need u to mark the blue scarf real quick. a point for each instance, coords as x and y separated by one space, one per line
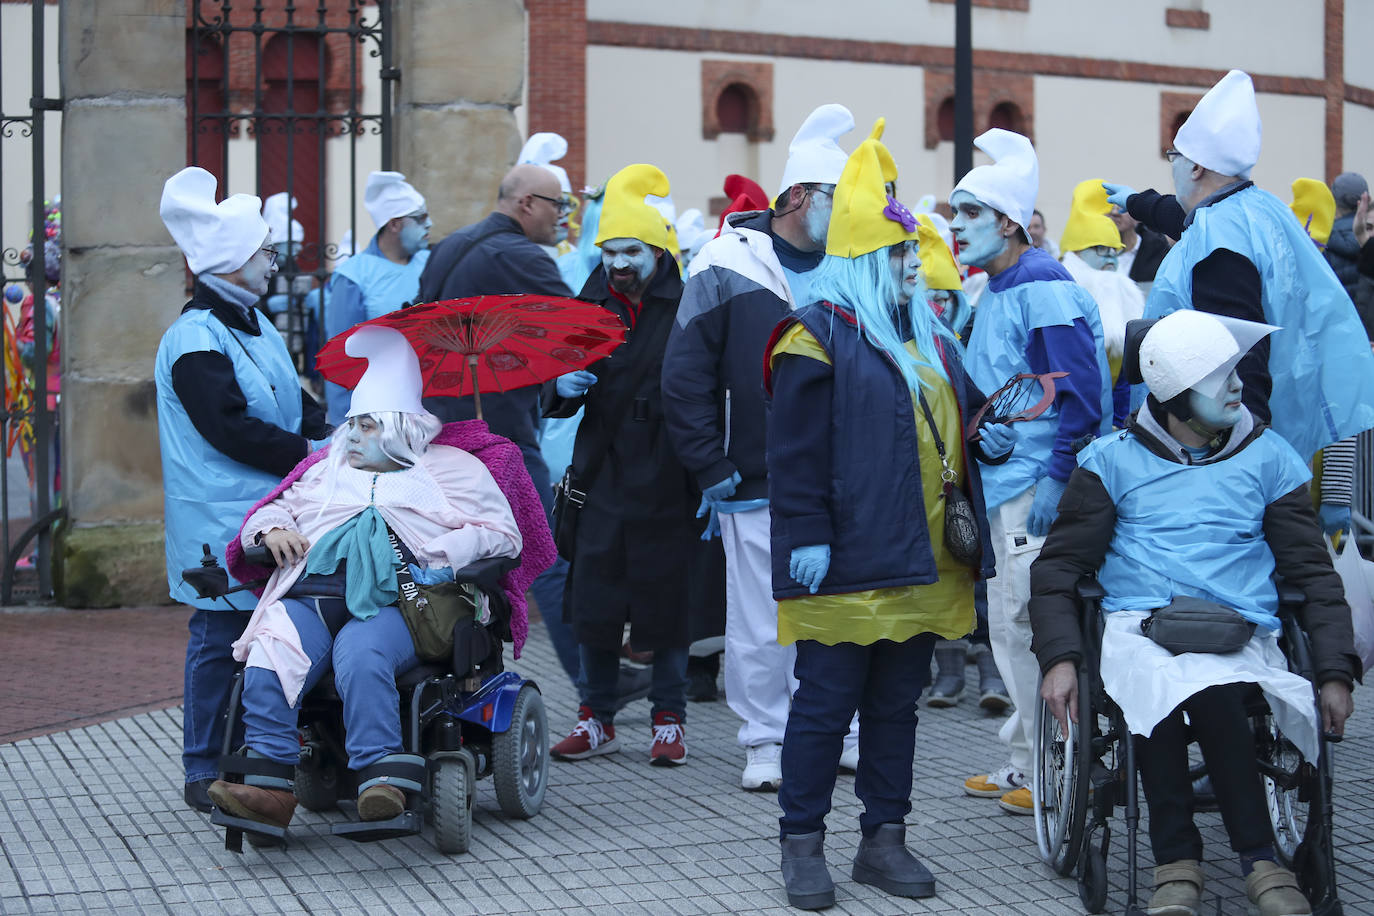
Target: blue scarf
370 574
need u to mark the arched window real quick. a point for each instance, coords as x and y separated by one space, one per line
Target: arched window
737 109
1007 115
944 119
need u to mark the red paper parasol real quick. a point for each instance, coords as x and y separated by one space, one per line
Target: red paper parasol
488 343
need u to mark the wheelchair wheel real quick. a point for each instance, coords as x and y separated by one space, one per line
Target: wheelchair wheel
1092 878
317 788
1059 782
451 798
1282 773
520 757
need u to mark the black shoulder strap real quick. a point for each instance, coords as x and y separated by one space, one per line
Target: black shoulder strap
438 290
616 414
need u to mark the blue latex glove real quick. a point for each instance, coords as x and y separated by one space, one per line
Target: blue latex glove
1045 506
723 490
574 384
998 439
808 565
1117 194
1334 518
707 510
431 576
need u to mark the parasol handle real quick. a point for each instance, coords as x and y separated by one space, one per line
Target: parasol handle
476 393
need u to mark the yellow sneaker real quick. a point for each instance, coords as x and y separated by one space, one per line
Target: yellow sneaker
1018 801
994 785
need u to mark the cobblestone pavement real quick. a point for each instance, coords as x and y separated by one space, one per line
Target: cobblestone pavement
91 820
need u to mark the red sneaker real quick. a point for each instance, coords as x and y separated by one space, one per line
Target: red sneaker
589 738
670 744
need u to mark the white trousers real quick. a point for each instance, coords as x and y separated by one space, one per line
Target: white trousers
1009 629
759 679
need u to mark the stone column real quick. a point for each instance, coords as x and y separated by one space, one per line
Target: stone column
462 68
123 66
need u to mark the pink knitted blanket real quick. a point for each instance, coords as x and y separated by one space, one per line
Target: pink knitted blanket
503 458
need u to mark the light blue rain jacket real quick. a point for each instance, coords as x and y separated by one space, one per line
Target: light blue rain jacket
1193 530
997 351
206 493
1320 362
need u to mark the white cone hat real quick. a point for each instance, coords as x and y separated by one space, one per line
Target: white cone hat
813 156
392 379
1223 133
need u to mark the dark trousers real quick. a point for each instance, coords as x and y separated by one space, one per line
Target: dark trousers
1222 730
882 681
601 674
210 670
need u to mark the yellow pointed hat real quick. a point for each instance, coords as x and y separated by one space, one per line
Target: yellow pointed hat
864 217
625 215
1088 224
1314 207
937 261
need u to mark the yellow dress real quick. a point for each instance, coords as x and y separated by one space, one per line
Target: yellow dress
944 607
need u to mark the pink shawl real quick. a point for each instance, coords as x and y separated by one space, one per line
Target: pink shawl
507 466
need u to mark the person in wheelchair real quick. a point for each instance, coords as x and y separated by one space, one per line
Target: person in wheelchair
330 533
1196 500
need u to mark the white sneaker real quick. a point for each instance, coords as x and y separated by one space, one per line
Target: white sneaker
995 785
849 760
762 768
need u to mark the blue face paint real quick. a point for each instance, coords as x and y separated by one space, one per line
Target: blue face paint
1099 257
817 221
1220 412
976 228
415 235
629 263
906 272
364 443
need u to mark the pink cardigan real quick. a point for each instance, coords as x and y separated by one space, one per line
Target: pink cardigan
507 466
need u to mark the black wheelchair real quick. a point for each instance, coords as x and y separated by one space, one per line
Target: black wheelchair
470 719
1079 780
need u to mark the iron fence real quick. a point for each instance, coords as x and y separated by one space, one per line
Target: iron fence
32 307
291 82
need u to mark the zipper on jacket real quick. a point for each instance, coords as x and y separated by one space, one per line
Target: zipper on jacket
727 421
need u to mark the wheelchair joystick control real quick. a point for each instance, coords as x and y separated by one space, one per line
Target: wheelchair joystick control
208 558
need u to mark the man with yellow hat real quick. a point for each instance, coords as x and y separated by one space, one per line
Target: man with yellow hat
1242 254
742 284
636 526
1032 319
1092 246
865 450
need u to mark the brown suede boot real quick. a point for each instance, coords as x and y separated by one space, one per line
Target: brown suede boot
1273 889
266 806
380 802
1178 889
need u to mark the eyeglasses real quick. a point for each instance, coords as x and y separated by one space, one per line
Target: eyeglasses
561 203
828 191
1171 154
1104 251
271 256
421 217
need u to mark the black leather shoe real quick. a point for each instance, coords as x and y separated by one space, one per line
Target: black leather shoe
197 795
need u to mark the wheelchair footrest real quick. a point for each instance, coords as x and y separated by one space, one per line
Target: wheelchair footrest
236 827
407 823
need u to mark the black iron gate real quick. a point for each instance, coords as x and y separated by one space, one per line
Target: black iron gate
285 83
32 305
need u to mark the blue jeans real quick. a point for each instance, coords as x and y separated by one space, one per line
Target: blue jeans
548 594
210 670
667 691
366 657
881 681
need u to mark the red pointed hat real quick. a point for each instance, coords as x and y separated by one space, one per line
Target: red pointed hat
745 194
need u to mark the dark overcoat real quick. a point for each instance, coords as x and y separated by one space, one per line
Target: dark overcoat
638 529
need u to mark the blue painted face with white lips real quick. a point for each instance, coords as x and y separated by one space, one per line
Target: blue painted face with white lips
1220 412
977 229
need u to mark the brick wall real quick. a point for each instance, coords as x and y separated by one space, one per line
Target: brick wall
558 78
990 88
716 75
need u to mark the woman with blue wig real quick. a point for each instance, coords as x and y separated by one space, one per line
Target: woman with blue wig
869 395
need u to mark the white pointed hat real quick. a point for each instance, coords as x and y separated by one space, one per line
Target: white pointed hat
392 379
277 214
691 230
216 238
1223 133
1196 350
1010 184
813 156
544 149
389 195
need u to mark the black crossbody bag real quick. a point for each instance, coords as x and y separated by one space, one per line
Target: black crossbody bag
962 538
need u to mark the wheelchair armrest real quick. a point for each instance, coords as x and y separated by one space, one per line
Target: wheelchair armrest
259 555
1291 598
486 574
208 581
1090 590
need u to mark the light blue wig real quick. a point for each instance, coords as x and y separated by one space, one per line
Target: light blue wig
865 285
577 265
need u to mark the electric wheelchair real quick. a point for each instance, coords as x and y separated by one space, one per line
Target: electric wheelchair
469 719
1079 780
